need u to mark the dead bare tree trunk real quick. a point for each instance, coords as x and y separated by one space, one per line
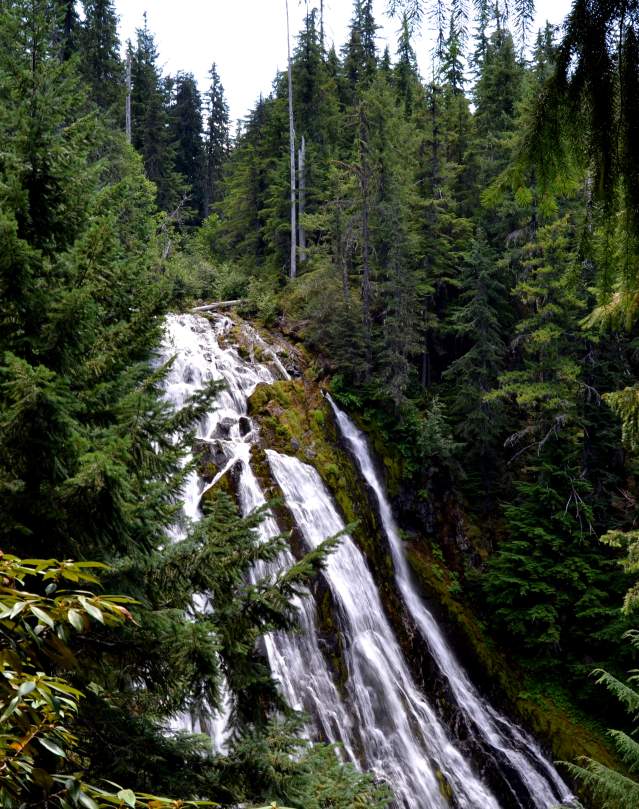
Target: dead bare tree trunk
291 132
364 177
128 94
301 169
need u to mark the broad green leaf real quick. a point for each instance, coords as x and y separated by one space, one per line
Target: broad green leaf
92 610
42 616
10 709
52 747
26 688
128 796
75 619
17 608
87 801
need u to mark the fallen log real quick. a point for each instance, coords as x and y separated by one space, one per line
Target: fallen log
212 307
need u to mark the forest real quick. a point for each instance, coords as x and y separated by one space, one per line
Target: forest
453 261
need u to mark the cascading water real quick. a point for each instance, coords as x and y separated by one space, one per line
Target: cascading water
543 785
295 659
380 718
403 739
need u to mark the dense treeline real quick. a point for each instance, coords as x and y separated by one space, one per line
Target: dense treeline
454 237
466 249
452 308
447 287
92 458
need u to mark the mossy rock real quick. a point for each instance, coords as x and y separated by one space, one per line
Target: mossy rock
295 419
227 483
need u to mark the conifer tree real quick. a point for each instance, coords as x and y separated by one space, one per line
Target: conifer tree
185 126
216 139
93 458
150 121
100 64
360 52
478 322
68 28
406 71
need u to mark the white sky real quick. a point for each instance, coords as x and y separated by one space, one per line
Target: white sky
247 38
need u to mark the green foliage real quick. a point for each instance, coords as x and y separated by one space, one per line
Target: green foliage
609 787
186 133
39 754
93 460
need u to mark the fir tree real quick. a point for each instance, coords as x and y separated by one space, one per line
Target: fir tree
360 52
186 135
150 121
478 321
100 63
216 140
406 72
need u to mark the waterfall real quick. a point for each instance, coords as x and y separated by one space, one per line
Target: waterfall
540 779
295 659
378 716
404 741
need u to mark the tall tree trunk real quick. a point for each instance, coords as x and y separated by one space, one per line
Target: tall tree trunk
291 133
301 170
366 267
128 94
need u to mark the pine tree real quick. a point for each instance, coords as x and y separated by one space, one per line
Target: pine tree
150 121
496 94
551 587
67 30
478 322
360 52
406 71
392 239
100 62
216 140
185 126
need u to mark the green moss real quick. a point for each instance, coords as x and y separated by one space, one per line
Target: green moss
295 419
318 417
225 484
444 787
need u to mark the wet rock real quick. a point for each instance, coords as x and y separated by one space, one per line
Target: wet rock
210 456
245 425
224 426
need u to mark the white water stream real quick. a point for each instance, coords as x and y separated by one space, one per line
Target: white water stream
380 718
509 742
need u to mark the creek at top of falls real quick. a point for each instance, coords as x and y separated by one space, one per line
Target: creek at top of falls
380 717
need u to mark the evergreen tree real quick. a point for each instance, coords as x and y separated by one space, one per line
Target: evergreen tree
360 52
67 30
216 140
496 94
92 462
406 72
100 62
552 588
150 121
479 323
186 135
